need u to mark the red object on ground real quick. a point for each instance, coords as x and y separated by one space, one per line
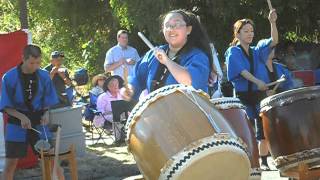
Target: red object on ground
31 160
11 45
308 77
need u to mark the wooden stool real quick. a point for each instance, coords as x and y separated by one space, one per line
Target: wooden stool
303 172
47 160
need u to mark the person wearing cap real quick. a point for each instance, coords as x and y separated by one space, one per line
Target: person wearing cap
121 55
97 82
59 76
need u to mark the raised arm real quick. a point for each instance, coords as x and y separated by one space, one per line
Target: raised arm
274 31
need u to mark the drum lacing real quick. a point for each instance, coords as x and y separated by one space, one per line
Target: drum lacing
209 117
140 104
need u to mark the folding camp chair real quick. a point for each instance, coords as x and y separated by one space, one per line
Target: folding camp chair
90 112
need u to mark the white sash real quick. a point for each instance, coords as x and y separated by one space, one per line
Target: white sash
2 149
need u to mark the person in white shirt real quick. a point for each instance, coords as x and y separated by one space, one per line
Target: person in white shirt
121 55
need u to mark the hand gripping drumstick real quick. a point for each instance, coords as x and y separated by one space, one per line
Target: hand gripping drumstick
269 4
277 85
281 79
145 40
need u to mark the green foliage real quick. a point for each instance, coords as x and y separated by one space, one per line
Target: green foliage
85 29
69 26
218 16
9 17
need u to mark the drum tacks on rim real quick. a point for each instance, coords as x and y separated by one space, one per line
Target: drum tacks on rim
234 112
291 121
168 121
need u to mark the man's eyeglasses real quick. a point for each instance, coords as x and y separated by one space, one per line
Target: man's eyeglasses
176 25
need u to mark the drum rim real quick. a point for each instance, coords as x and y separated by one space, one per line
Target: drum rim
227 103
284 163
140 107
255 173
289 96
193 150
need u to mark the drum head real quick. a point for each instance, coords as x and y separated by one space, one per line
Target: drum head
289 97
216 157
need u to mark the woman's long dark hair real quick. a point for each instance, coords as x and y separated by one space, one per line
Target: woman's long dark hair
198 36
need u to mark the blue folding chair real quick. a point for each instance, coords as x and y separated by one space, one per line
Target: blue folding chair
89 113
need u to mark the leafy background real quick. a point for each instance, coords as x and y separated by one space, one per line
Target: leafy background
86 29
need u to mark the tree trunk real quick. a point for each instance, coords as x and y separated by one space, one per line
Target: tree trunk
23 14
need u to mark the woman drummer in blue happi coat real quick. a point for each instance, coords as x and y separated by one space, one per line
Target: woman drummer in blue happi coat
185 59
246 69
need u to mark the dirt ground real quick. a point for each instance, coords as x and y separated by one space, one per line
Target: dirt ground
101 162
105 161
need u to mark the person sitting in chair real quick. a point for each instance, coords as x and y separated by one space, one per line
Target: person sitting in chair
60 77
97 82
111 89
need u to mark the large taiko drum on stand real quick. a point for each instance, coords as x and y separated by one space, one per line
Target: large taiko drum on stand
174 133
291 122
234 112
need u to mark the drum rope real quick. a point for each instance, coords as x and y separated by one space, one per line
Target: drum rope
209 117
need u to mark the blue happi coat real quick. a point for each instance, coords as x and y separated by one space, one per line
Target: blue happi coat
12 96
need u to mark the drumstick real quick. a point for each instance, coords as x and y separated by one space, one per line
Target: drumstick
36 130
281 79
56 155
145 40
269 4
275 87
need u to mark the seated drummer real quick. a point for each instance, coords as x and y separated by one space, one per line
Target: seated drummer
27 93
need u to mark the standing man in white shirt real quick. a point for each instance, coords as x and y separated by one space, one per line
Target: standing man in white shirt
121 55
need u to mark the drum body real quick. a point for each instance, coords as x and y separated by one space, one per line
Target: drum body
168 120
291 123
234 112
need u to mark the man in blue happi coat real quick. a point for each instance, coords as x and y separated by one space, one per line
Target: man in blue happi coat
27 93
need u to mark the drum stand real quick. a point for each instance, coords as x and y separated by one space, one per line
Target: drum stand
48 158
303 172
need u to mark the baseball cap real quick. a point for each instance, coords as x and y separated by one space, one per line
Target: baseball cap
56 54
